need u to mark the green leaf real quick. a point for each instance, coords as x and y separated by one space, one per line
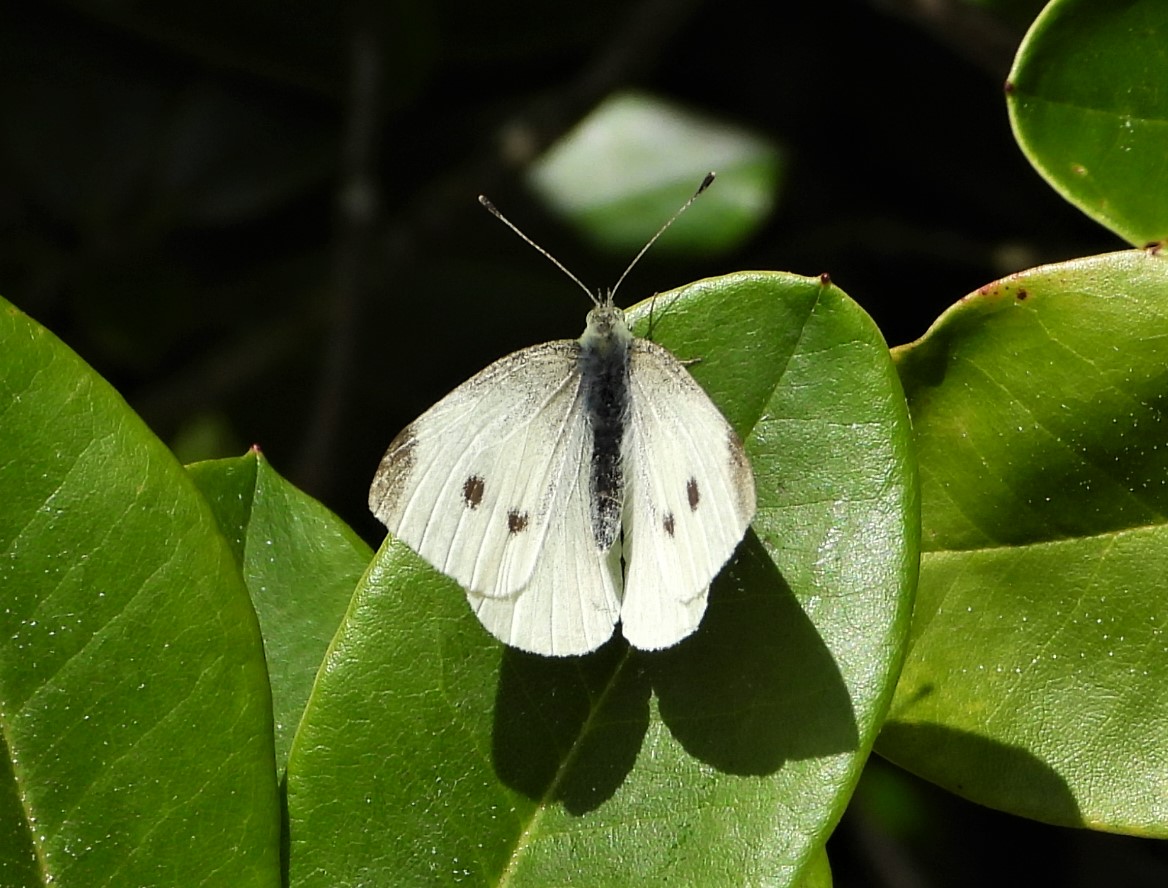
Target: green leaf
1089 107
429 752
300 563
818 872
1036 676
133 697
609 178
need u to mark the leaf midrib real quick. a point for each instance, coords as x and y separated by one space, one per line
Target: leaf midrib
525 839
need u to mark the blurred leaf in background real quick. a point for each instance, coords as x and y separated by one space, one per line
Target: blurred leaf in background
610 177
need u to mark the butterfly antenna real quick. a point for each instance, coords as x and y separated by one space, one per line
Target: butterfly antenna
494 211
685 206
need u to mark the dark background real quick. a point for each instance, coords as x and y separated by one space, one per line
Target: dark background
177 189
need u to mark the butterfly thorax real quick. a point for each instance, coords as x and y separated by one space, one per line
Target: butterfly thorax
604 390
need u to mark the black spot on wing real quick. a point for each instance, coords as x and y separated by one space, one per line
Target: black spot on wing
668 523
516 521
692 494
472 491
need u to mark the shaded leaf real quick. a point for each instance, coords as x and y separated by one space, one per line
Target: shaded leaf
1035 680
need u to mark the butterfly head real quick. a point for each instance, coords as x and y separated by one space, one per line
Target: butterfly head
606 324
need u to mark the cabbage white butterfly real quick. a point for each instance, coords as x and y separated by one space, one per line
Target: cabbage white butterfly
573 484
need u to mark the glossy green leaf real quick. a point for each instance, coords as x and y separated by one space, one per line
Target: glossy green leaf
1037 675
1089 107
610 179
430 753
134 703
818 872
300 563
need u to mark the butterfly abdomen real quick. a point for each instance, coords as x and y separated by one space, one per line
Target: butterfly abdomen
604 389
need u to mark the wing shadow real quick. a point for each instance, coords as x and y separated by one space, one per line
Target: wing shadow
754 687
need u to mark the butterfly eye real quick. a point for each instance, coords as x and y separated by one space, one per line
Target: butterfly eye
472 491
691 492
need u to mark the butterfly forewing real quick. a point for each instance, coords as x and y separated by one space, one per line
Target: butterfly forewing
690 497
477 482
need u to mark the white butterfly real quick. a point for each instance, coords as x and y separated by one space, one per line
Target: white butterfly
571 485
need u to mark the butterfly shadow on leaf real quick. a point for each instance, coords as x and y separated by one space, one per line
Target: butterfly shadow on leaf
754 687
568 729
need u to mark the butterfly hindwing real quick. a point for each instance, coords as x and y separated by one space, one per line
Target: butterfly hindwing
690 497
572 600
